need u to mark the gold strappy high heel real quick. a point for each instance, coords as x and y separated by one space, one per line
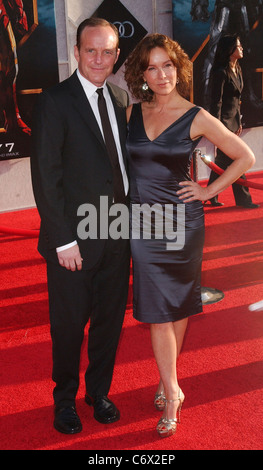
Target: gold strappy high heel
167 427
159 401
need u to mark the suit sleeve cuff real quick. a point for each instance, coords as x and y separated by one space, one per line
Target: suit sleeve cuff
65 247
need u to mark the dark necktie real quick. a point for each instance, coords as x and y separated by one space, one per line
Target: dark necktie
118 187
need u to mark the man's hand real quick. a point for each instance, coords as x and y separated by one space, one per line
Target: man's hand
70 258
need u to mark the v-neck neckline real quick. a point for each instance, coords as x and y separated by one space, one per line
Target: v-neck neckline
167 128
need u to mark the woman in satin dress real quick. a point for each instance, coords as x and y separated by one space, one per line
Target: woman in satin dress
163 130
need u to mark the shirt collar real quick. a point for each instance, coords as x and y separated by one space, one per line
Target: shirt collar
89 88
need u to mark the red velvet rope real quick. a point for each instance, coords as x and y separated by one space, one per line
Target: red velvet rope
219 171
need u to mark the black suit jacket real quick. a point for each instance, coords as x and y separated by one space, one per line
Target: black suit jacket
70 165
226 91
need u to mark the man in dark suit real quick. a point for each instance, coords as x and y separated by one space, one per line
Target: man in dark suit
87 277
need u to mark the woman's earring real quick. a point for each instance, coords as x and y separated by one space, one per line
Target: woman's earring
145 87
177 81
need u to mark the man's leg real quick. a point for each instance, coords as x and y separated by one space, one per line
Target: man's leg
69 299
110 285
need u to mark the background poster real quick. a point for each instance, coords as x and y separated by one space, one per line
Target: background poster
130 30
198 24
28 64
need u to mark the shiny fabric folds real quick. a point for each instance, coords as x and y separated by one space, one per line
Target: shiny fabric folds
166 282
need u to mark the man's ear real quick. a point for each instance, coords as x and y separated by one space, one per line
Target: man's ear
117 55
76 53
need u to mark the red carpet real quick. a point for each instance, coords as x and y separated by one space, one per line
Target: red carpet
220 368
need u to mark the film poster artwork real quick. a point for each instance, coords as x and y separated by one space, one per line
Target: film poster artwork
198 26
28 64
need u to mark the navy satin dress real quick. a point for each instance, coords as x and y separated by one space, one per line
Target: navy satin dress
166 281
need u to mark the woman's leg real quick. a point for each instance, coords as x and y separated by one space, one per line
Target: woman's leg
167 340
179 331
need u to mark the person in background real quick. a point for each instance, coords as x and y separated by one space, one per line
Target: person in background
163 130
76 159
225 99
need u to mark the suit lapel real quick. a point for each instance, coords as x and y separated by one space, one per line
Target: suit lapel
237 80
82 104
120 113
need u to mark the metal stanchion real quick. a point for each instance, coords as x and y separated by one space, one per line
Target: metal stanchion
209 295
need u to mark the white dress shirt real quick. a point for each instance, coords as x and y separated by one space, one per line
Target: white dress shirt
92 95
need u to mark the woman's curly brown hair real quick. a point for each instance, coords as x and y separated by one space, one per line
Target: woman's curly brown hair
138 61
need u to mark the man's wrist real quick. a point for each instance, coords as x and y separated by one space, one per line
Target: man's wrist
65 247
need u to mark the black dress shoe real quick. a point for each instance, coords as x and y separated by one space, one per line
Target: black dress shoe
104 410
67 421
250 205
